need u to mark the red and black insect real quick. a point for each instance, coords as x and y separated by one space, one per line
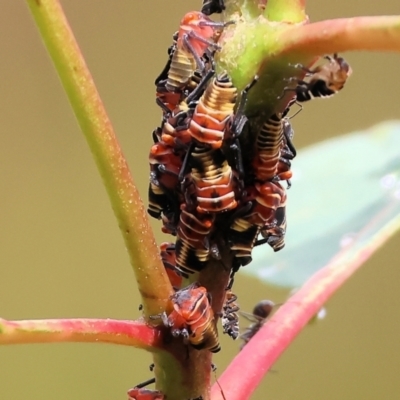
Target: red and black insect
261 312
196 36
274 233
260 213
190 90
193 249
168 257
193 318
288 153
216 185
213 6
213 112
213 180
268 149
145 394
324 80
229 318
138 393
165 165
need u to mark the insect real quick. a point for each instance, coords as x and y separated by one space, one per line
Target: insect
261 312
138 393
214 182
229 319
145 394
212 6
268 149
192 244
274 233
165 166
193 318
288 152
324 80
168 257
195 37
190 90
213 111
258 214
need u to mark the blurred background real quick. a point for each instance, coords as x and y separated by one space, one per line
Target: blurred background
61 253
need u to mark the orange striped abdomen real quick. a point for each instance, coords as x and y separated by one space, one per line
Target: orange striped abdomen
214 110
192 311
192 246
268 149
214 181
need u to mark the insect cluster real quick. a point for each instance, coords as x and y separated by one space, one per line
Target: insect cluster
210 189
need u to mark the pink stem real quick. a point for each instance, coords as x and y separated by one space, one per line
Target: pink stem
337 35
275 336
129 333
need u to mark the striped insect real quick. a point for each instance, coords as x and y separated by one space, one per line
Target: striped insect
268 149
229 318
213 6
168 257
190 90
211 184
288 153
261 312
192 318
324 80
274 149
213 112
259 213
274 233
193 249
196 36
242 237
165 165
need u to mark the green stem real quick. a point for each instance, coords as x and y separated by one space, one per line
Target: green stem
128 333
152 280
285 10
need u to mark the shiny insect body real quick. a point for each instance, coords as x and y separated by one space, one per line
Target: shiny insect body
193 318
268 149
216 184
213 6
230 319
260 213
274 234
242 238
288 153
213 181
213 112
165 165
145 394
192 244
324 80
195 38
168 257
261 312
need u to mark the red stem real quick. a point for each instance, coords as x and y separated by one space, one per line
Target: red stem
125 332
238 383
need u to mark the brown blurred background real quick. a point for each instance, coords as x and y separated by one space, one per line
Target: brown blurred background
61 253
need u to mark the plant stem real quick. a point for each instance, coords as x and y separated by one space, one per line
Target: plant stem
285 10
238 383
337 35
128 333
152 280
